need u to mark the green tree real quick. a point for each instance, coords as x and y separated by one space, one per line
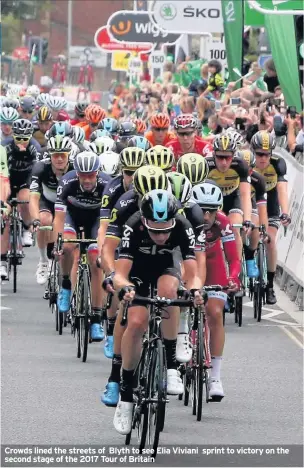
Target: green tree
11 33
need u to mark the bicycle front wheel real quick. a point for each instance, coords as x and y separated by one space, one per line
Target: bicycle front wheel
84 323
199 371
261 285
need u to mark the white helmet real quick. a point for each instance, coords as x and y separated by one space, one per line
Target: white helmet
86 161
13 91
46 82
57 103
78 135
74 151
207 195
43 99
102 144
59 144
109 162
236 136
33 91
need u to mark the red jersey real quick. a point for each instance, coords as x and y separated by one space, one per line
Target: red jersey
220 234
200 146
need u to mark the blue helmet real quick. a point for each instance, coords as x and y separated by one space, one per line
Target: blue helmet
140 142
99 133
61 128
159 206
109 124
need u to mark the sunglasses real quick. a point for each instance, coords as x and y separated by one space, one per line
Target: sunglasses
93 124
158 129
223 157
128 173
258 153
18 138
88 175
158 232
27 111
59 155
206 209
185 133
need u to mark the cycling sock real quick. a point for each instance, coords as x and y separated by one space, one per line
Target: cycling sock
43 255
126 389
216 362
96 315
183 322
249 253
170 346
25 227
66 282
49 249
111 324
270 277
116 366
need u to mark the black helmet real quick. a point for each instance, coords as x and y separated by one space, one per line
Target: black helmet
80 108
127 129
23 127
61 128
263 141
10 102
27 104
159 206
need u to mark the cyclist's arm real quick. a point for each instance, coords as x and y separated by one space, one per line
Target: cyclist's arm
103 226
4 175
189 247
201 266
35 190
263 216
232 256
108 254
60 209
34 205
122 270
245 192
283 196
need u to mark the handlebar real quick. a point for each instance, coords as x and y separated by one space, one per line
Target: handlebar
15 202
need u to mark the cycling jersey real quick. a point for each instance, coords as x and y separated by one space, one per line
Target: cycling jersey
258 189
20 161
169 137
10 141
112 193
3 163
44 181
200 146
40 137
220 236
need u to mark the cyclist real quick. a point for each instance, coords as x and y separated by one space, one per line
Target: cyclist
27 107
147 257
78 204
21 156
44 122
186 140
93 114
194 167
159 133
109 163
4 195
273 167
140 142
126 131
141 127
145 179
100 133
43 189
110 125
56 104
80 118
259 211
101 144
160 156
219 239
231 174
8 115
79 137
33 91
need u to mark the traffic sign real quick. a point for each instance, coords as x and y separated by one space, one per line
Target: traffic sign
157 59
104 42
21 53
78 55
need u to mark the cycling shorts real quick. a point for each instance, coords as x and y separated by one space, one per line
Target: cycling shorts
72 225
19 180
46 205
232 203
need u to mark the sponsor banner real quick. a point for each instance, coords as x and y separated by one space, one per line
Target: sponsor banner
193 17
104 42
136 27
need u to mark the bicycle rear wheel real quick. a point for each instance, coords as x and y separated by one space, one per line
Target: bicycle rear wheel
86 309
13 250
239 311
157 393
260 288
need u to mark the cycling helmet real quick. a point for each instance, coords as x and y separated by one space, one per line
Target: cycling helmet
193 166
23 127
61 128
263 141
236 136
59 144
99 133
46 82
13 91
94 113
62 116
160 120
86 161
148 178
33 90
185 121
140 142
110 125
8 115
27 104
160 156
208 195
109 162
80 108
56 103
102 144
132 158
127 129
14 103
43 99
78 134
44 114
141 126
225 142
74 151
180 186
159 206
247 156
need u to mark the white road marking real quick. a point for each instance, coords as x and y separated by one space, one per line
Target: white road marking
292 337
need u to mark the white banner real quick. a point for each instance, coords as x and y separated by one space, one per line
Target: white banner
193 17
216 50
79 55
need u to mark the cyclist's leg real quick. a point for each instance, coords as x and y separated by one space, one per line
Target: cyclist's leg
46 215
249 250
274 223
232 208
24 195
66 264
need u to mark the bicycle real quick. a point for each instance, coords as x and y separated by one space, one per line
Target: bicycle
15 252
196 371
258 285
81 299
150 394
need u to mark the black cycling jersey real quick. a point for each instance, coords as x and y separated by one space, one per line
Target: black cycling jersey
125 207
20 161
44 181
113 191
137 245
258 188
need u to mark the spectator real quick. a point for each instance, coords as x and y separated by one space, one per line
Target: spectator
271 78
